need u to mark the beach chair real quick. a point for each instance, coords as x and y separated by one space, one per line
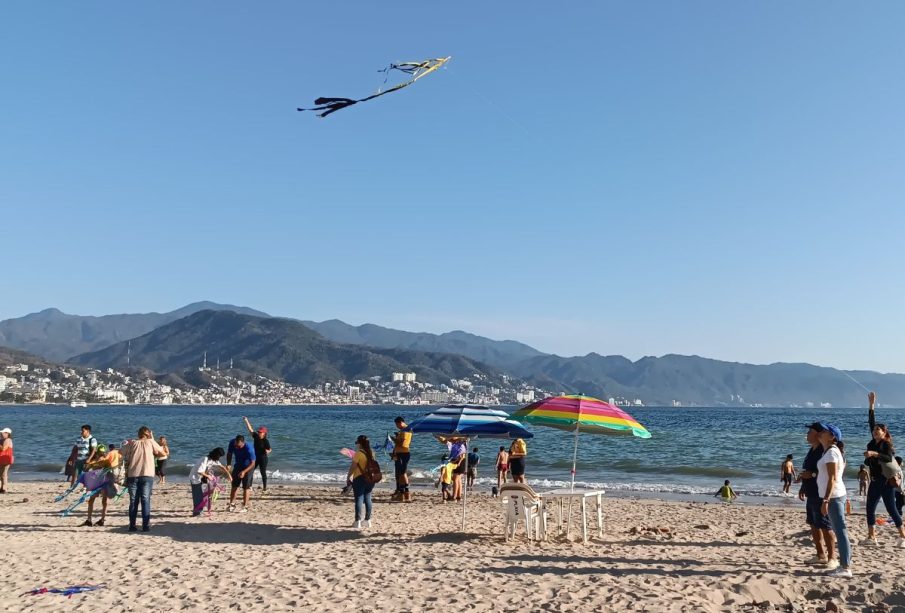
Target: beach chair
522 504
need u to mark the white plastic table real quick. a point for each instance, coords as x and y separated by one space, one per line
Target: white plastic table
556 500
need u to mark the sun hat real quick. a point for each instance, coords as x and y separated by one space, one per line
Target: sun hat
835 431
6 431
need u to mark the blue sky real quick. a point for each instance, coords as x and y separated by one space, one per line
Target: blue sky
711 178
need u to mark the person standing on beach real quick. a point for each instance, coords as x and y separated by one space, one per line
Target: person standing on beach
202 472
832 492
262 450
821 530
401 455
502 466
83 451
787 473
6 457
361 487
880 451
161 470
140 476
517 452
243 471
108 459
473 460
863 480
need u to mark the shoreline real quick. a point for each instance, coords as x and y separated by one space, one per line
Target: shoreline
785 502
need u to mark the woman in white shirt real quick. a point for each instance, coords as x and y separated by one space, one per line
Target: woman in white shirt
201 473
832 490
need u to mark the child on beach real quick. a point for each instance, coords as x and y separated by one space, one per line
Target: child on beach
726 492
787 473
446 479
161 469
863 480
502 466
109 459
201 475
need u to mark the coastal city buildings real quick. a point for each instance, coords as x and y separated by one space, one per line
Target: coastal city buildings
22 383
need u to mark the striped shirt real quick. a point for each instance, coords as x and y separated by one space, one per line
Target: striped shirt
85 445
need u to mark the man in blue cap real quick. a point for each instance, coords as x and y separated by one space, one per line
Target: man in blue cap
821 531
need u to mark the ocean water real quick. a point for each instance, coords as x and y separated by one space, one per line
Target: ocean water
691 451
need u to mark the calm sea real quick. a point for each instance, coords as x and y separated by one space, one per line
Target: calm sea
691 451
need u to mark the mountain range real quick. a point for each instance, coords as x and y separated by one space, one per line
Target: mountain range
58 336
308 352
274 347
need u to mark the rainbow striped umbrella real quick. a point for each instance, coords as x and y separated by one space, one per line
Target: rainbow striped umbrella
580 414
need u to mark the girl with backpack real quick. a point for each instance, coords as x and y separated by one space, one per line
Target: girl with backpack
363 475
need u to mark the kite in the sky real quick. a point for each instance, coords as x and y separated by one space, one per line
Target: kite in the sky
415 69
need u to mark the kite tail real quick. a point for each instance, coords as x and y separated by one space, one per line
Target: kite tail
88 494
67 492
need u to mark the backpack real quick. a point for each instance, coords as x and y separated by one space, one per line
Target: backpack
371 472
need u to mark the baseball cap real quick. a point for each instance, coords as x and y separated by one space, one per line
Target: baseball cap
262 430
835 431
817 426
6 431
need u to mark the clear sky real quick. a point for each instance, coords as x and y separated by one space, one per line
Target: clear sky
714 178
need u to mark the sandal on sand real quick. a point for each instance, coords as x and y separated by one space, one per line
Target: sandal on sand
87 522
100 523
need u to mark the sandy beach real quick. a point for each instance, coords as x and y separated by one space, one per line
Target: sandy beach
296 551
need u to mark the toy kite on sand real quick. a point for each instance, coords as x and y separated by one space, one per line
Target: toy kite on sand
211 493
415 69
64 591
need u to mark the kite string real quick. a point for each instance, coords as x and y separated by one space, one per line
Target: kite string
491 103
855 380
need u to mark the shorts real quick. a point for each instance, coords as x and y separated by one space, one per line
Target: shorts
517 466
502 468
444 487
245 481
80 467
161 470
814 518
787 479
472 472
460 468
401 463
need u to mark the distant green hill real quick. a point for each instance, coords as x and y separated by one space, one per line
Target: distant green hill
277 348
501 354
702 381
57 336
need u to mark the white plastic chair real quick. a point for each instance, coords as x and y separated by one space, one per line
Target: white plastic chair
522 504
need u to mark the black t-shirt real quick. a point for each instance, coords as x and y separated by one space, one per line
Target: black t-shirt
809 486
262 445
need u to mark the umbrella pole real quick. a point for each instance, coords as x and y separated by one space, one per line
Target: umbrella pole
465 484
575 457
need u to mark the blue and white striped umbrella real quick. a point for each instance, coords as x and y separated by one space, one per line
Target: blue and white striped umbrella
469 421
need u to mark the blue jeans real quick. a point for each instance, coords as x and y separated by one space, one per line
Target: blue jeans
878 489
837 521
140 490
362 490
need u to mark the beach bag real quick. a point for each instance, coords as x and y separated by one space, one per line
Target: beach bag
892 472
371 472
6 457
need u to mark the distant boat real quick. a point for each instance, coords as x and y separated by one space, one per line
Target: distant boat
78 404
